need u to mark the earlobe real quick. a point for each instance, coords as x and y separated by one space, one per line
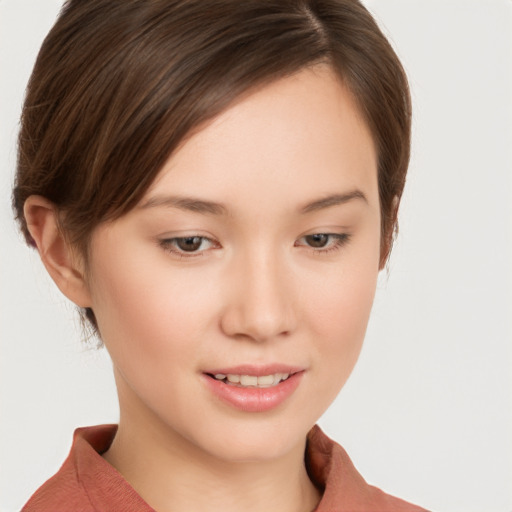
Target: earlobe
61 261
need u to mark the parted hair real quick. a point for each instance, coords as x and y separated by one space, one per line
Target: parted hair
119 84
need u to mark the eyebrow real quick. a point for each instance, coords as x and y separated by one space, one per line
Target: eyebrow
212 208
187 203
333 200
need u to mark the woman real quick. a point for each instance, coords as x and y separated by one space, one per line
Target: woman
215 185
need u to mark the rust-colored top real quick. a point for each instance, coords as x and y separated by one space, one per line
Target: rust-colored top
88 483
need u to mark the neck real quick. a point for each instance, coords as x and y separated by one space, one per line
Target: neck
172 474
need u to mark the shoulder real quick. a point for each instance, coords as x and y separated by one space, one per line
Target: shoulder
86 482
344 489
61 492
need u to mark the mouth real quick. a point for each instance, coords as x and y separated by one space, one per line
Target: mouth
254 388
251 381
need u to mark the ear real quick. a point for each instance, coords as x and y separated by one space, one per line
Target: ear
61 261
388 237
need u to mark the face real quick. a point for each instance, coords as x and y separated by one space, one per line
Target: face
253 258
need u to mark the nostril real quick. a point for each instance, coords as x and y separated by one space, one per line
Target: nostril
259 309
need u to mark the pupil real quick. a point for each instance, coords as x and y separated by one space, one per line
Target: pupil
317 240
190 243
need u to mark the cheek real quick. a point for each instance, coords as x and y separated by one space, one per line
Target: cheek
339 315
146 309
342 315
344 299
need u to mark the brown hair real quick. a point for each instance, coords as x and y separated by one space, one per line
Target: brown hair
119 84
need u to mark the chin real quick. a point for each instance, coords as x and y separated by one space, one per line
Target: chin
252 440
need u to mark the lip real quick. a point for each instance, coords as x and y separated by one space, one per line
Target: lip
256 370
254 399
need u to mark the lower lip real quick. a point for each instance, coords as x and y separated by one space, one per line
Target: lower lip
254 399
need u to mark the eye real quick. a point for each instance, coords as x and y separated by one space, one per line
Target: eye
324 242
187 245
317 240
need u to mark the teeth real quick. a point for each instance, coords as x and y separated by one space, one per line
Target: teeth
264 381
248 380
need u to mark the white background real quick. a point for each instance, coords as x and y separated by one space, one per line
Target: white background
427 414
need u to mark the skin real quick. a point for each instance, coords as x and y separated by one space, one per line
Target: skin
255 291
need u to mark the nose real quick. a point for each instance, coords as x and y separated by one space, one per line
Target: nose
260 303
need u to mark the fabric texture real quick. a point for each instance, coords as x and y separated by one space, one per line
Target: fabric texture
88 483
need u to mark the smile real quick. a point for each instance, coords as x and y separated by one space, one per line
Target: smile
251 388
252 381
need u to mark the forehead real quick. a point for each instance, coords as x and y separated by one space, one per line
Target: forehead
302 134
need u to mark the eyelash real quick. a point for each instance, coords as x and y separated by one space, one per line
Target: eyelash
170 244
338 241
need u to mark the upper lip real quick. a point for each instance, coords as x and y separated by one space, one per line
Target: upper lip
256 370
